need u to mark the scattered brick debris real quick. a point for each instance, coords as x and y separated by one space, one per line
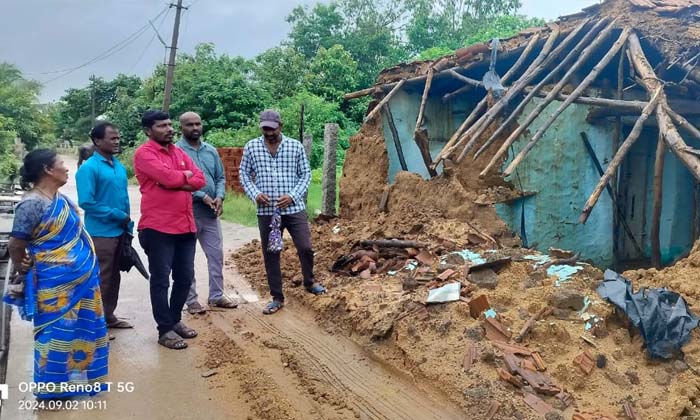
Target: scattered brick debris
537 404
470 356
495 331
585 362
540 382
446 274
424 257
513 348
565 398
582 415
528 364
493 409
539 362
478 305
512 362
372 287
631 412
486 278
507 377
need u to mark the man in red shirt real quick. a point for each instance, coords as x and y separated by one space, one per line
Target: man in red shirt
167 177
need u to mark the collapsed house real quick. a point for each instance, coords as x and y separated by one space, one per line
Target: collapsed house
576 139
579 135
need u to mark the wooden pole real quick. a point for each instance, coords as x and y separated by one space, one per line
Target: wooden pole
593 101
360 93
576 93
658 198
465 79
572 55
683 123
582 59
670 134
377 109
423 143
617 210
476 129
506 77
482 104
619 156
480 126
395 135
424 99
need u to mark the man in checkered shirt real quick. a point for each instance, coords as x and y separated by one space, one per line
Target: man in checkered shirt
275 173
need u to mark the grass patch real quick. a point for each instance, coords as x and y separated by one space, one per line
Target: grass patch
238 208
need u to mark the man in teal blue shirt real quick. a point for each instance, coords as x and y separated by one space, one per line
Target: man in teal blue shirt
103 195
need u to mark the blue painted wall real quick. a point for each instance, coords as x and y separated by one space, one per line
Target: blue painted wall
561 172
441 120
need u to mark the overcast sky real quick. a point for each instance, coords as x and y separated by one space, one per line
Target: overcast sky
42 37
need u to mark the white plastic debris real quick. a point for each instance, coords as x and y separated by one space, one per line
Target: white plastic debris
446 293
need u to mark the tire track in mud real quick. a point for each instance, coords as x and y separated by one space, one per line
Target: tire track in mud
335 368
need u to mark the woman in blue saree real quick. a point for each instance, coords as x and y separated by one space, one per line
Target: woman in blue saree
59 290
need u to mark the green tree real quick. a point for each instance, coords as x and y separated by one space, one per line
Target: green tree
332 73
280 71
19 106
217 87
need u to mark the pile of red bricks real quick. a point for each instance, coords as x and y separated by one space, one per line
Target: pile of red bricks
231 158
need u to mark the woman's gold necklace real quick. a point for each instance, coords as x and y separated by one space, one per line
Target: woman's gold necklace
44 193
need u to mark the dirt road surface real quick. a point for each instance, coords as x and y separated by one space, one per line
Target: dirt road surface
243 365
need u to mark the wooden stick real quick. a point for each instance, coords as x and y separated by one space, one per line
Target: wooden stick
618 213
439 73
424 99
543 313
360 93
385 100
617 46
535 68
392 243
459 138
395 135
683 123
619 156
572 55
448 96
423 142
482 104
658 197
582 59
465 79
533 71
593 101
650 82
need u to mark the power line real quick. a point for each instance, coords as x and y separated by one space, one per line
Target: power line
104 55
143 53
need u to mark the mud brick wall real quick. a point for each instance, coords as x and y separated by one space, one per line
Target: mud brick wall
231 158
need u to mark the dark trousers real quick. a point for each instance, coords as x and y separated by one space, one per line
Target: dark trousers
298 226
110 278
166 253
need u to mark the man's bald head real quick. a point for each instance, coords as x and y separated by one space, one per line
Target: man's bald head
191 126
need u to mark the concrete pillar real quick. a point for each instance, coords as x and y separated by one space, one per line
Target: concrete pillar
307 141
330 143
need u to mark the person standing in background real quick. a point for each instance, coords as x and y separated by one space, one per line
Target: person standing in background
207 206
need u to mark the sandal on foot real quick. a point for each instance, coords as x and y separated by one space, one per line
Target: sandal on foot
184 331
119 324
196 308
172 341
316 289
273 307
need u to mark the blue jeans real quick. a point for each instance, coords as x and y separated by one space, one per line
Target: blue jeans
166 253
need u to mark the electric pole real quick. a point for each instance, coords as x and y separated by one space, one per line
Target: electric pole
92 97
173 53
